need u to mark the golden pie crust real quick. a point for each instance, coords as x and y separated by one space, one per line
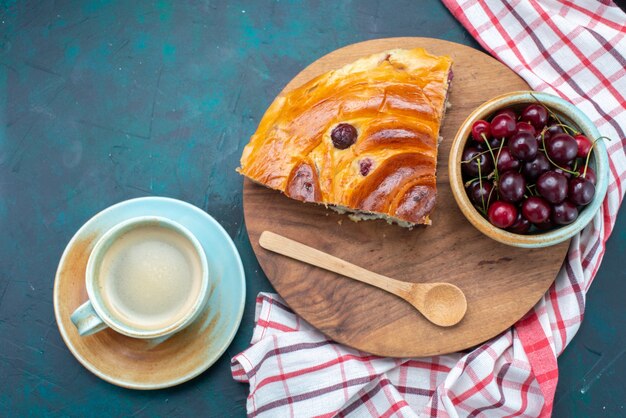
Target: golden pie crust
395 100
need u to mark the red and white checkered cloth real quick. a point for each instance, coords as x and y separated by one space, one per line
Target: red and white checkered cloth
574 49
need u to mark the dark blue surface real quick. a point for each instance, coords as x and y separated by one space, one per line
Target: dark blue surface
593 366
103 101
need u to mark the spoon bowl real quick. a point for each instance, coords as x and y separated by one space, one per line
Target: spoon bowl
443 304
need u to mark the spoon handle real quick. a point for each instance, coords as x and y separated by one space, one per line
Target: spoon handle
290 248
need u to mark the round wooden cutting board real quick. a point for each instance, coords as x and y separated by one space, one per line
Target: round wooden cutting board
501 283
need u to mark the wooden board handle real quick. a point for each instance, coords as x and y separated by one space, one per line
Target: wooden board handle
290 248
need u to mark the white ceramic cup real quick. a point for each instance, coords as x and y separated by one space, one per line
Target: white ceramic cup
147 273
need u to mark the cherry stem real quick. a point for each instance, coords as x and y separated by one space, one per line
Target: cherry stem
474 157
495 163
489 197
555 116
469 182
593 144
543 142
564 126
480 183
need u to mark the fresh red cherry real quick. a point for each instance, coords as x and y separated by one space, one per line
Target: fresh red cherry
552 129
512 186
533 169
552 186
561 148
503 125
536 209
480 128
584 145
589 175
495 142
520 226
564 213
480 194
581 191
472 158
567 173
506 162
525 127
536 115
545 225
509 112
523 146
502 214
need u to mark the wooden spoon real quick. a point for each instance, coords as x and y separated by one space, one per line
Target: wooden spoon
442 304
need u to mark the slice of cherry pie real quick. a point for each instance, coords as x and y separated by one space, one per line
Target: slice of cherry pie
361 139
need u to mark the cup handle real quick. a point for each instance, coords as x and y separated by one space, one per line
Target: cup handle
87 320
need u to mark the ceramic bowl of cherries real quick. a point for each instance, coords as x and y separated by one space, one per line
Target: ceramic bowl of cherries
528 169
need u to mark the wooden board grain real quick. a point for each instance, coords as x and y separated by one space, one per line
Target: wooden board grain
501 283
